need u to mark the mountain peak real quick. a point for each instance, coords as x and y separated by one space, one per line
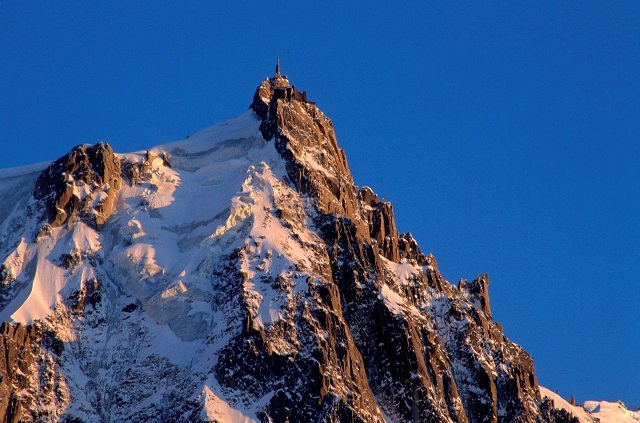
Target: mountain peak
276 87
240 275
80 185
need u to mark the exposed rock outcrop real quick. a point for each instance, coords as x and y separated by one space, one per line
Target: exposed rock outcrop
16 364
24 359
80 185
382 225
314 151
141 171
450 362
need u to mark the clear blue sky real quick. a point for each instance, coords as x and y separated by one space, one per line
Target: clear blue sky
507 136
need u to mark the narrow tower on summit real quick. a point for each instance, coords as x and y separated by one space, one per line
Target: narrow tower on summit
284 90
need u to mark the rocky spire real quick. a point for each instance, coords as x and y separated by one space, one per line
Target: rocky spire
454 382
81 185
277 67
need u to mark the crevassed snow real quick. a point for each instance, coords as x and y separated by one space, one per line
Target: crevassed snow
44 278
169 218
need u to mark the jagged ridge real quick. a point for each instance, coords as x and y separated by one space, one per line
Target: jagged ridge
244 273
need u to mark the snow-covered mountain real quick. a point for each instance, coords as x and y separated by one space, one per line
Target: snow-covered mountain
238 275
594 411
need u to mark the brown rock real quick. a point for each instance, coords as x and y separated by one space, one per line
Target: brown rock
453 362
19 345
80 185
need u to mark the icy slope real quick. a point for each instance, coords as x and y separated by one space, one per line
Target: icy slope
583 415
595 411
15 186
217 196
182 206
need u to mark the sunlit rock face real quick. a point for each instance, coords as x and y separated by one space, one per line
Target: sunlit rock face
240 275
82 185
431 350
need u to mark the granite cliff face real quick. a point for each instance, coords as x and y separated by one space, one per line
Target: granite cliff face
80 185
435 354
240 275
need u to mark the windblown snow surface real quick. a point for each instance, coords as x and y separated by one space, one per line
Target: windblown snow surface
159 265
594 411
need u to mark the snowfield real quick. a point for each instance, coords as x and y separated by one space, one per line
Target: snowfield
218 194
595 411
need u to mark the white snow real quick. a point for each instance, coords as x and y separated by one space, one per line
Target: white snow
392 299
611 412
398 275
44 278
591 411
171 219
560 402
218 410
16 185
14 172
